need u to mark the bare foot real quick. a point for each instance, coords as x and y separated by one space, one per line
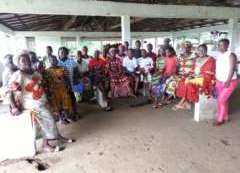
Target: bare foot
216 123
178 107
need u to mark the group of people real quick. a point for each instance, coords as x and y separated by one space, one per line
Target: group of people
51 87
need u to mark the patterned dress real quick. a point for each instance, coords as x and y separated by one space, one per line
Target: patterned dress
119 83
186 69
58 92
27 88
157 83
204 75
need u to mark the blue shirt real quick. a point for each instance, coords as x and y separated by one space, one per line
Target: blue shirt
69 64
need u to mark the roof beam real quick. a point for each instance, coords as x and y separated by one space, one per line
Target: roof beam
89 34
20 20
6 29
132 21
70 23
106 8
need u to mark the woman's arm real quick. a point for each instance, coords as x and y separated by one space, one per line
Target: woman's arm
15 110
233 62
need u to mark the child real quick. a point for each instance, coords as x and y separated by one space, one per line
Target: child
146 66
169 73
157 84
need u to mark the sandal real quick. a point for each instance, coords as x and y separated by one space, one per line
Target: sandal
157 105
107 109
65 140
64 122
51 149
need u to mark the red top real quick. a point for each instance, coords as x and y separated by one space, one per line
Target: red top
208 74
170 67
152 55
96 64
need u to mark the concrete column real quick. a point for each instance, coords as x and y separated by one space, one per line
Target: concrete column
78 41
233 34
125 27
156 44
101 44
173 40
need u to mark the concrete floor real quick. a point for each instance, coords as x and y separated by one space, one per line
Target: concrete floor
142 140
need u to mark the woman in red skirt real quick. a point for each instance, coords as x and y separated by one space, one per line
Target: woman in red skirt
200 81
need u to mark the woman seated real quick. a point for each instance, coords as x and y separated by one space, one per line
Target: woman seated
81 78
130 66
168 74
58 91
119 82
200 82
98 78
27 94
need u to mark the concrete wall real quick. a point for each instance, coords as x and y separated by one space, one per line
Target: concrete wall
43 41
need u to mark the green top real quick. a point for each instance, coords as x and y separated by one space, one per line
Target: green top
160 63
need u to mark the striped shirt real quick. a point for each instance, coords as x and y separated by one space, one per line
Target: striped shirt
69 64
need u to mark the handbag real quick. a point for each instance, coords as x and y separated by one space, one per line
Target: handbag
78 88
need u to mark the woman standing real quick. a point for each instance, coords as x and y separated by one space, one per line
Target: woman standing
226 79
26 93
58 90
201 81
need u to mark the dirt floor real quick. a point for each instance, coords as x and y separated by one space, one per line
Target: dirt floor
142 140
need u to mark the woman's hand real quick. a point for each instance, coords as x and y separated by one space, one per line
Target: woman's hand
226 84
15 111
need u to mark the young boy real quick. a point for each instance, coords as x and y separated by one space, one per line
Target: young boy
146 66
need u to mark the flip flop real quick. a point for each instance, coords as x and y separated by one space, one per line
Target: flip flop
68 140
107 109
53 149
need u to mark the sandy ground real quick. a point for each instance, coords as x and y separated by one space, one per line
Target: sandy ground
142 140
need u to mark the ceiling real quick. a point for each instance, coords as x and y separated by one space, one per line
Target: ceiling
32 22
28 22
222 3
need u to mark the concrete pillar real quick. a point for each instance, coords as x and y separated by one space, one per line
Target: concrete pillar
173 40
156 44
199 38
78 42
233 34
125 27
101 44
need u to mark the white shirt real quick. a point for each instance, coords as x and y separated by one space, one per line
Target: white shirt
146 63
130 64
223 67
